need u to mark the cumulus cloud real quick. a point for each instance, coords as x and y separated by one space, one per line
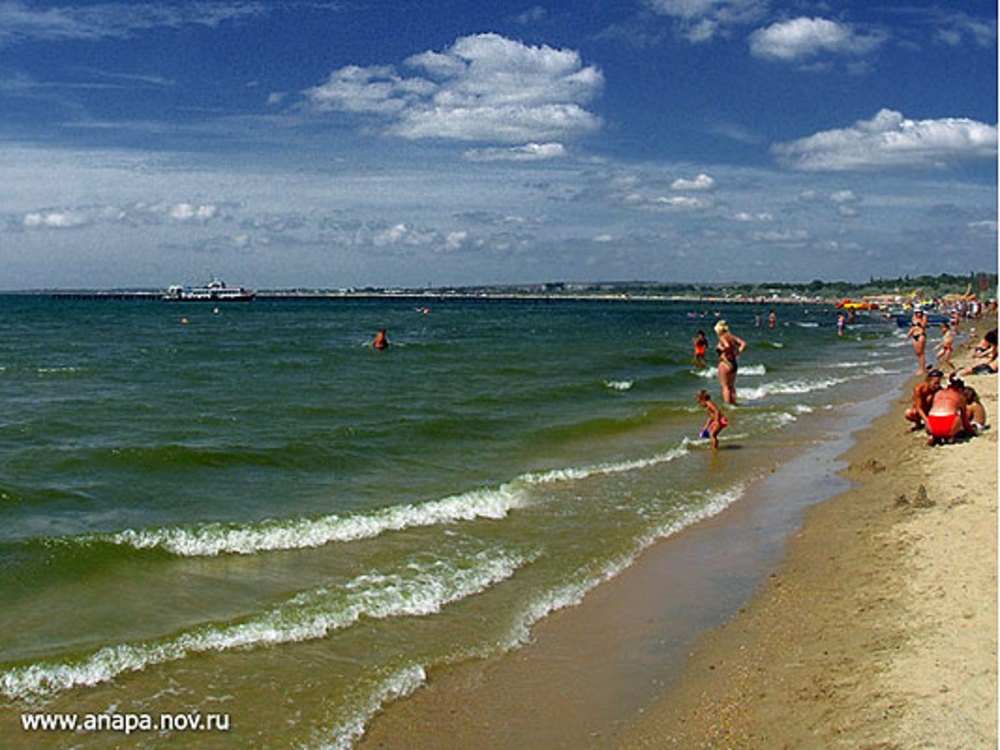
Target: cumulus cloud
484 87
803 38
701 182
890 140
702 20
527 152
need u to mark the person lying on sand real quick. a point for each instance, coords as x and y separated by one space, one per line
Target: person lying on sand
987 349
923 395
948 417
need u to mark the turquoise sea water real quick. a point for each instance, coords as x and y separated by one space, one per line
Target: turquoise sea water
255 513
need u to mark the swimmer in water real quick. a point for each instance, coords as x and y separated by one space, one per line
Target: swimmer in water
700 347
381 342
716 421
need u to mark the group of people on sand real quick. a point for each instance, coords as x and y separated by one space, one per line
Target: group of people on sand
729 347
946 412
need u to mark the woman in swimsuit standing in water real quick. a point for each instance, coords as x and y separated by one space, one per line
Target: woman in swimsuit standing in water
729 348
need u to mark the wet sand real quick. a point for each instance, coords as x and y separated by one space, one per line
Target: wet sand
878 629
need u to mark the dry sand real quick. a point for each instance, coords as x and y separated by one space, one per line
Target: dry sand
880 628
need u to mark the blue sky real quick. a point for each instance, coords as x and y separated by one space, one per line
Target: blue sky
356 143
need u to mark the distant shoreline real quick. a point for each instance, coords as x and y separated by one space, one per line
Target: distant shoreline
438 296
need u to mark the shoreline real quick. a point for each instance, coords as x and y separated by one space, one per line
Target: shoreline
879 628
565 688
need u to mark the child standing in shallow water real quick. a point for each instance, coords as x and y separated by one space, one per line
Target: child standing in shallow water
716 419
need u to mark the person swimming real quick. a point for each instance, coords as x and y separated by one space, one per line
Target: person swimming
381 342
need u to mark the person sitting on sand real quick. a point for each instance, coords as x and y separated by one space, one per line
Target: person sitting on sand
948 417
977 412
923 396
716 421
700 346
987 349
381 342
945 348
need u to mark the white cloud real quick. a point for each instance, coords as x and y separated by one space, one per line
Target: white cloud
527 152
844 196
890 140
484 87
957 26
680 201
533 15
188 212
21 22
702 20
781 236
803 38
701 182
55 220
744 216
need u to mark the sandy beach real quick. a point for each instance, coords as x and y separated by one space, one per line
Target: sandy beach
875 626
879 629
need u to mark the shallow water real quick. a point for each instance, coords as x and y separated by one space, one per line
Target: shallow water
255 513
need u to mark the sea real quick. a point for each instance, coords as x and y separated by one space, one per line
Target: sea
247 513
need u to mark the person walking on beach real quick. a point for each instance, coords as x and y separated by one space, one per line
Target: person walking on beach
700 347
728 348
944 349
716 421
381 342
923 396
918 332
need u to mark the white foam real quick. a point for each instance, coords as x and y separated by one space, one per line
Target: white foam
214 539
572 593
308 616
585 472
619 385
398 685
302 533
788 386
713 372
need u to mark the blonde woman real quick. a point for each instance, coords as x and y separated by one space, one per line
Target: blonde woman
728 348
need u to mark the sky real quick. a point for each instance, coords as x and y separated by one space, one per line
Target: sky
410 144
